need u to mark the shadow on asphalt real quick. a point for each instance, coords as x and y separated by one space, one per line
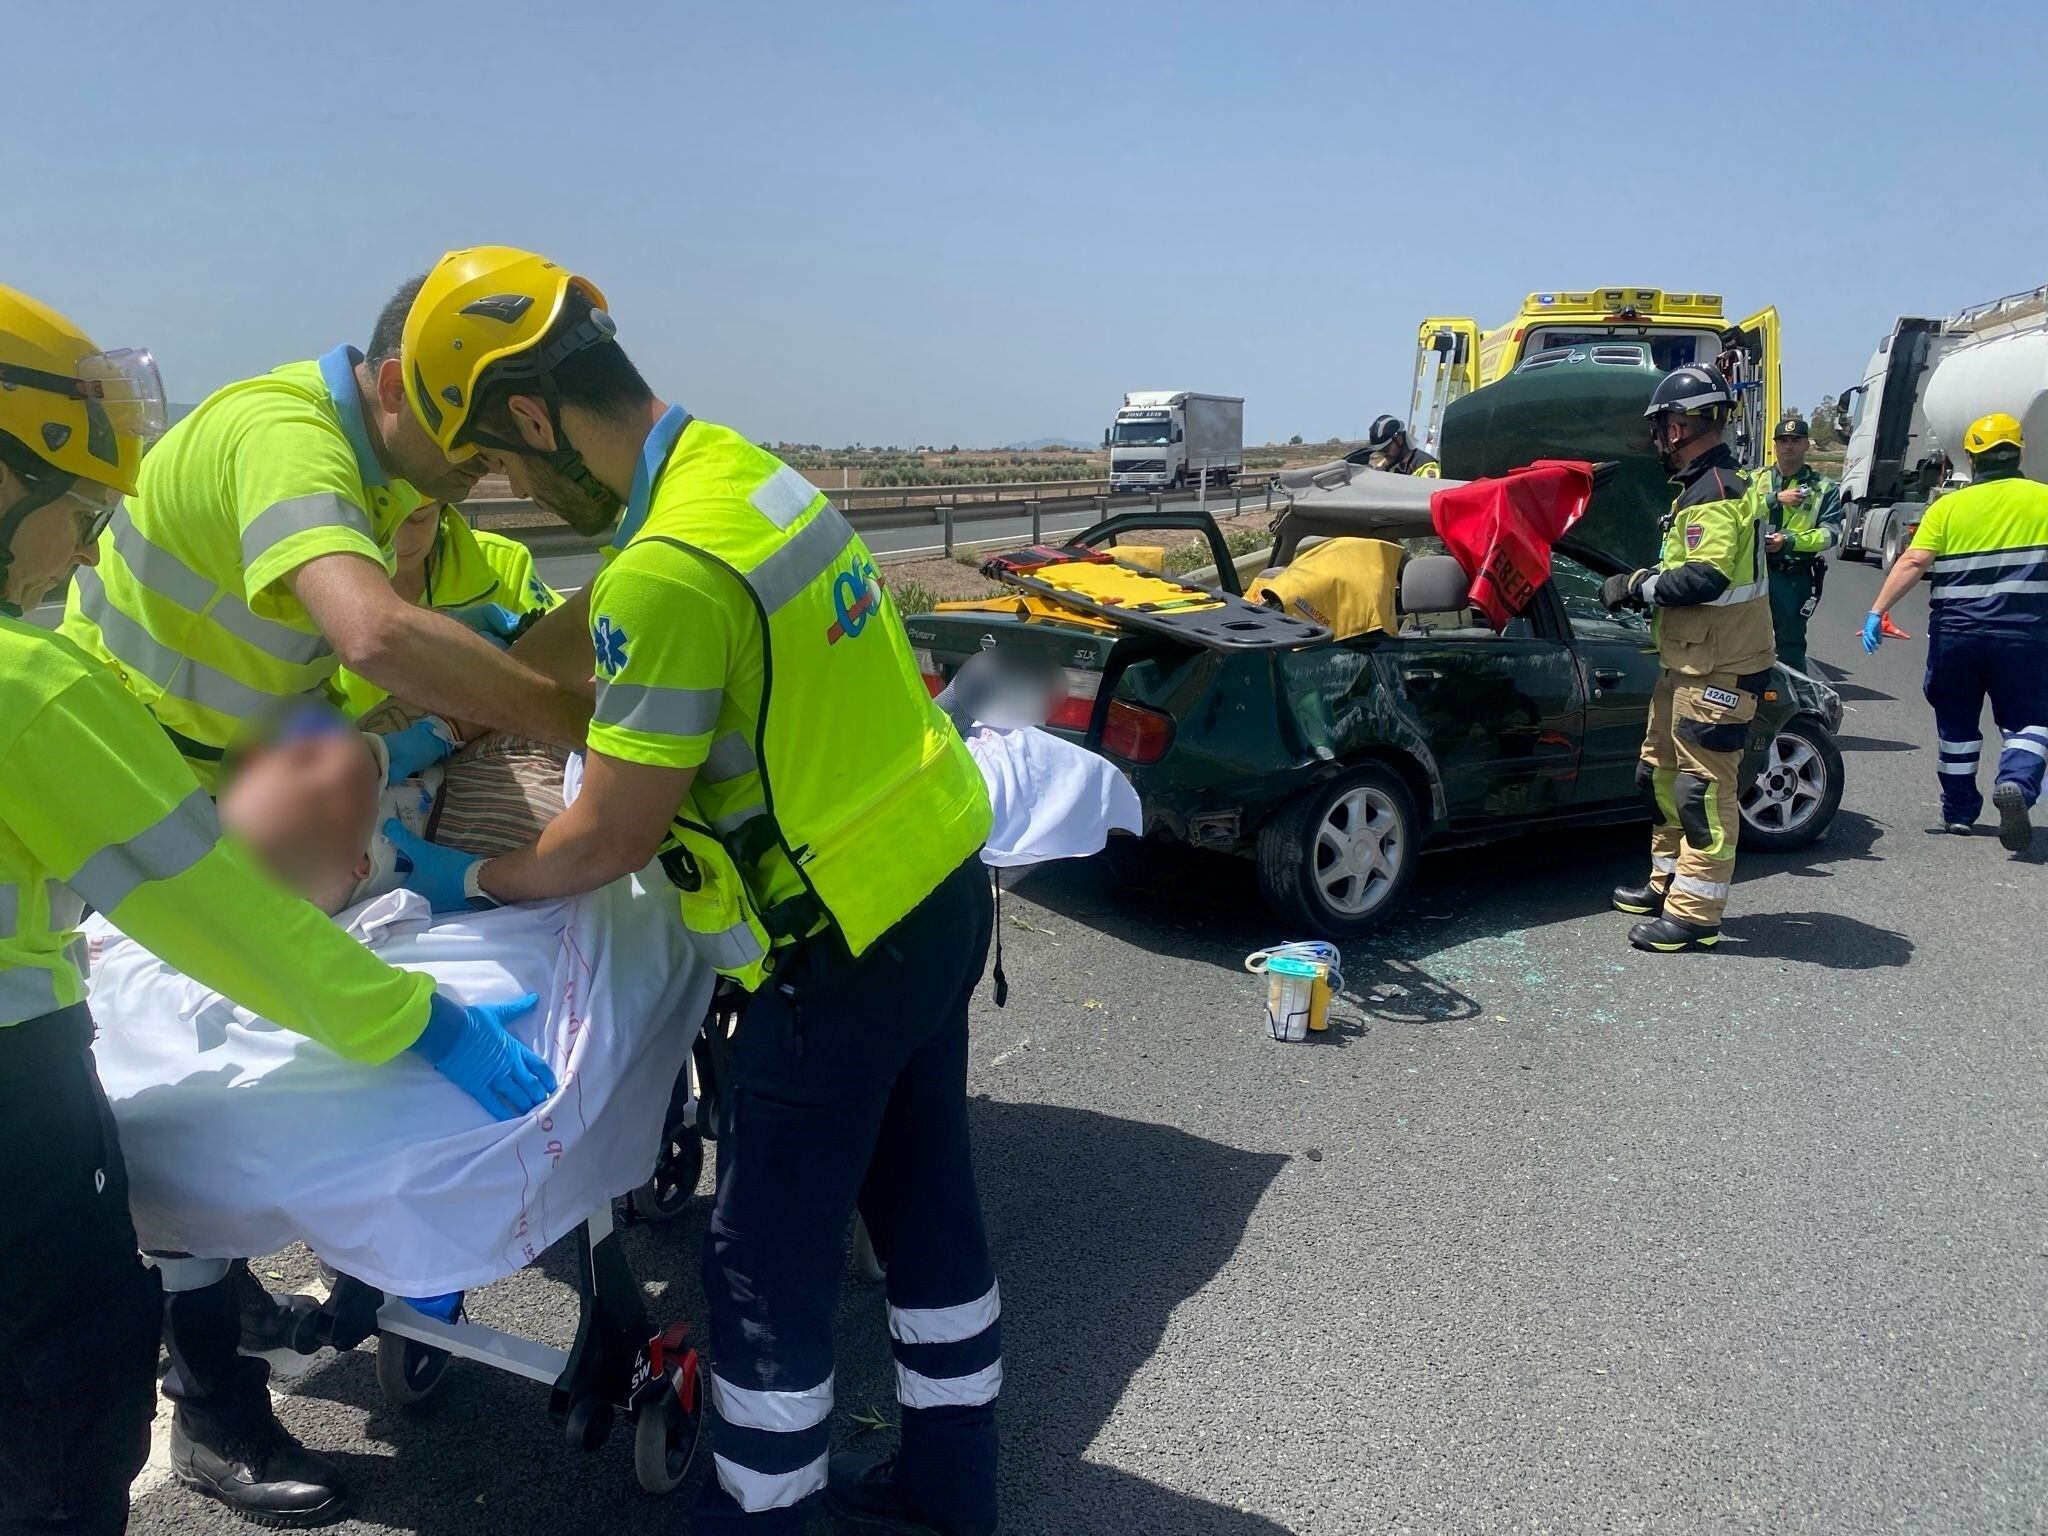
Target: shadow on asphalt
1101 1227
1825 939
1874 744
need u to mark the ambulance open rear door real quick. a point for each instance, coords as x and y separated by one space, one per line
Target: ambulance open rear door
1755 375
1446 367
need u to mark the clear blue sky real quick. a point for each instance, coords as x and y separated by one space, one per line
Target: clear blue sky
898 223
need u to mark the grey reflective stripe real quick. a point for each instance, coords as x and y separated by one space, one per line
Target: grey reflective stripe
731 757
756 1492
781 1413
915 1390
2008 588
164 574
813 550
667 711
179 676
27 992
738 817
63 906
1662 863
279 521
1706 890
733 950
10 909
1945 565
784 496
179 839
946 1325
1740 594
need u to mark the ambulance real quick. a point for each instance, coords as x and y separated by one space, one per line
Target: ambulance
1453 356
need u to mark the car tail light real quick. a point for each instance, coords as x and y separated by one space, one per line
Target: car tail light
1135 733
1077 710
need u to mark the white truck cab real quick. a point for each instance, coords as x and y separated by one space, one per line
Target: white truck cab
1168 439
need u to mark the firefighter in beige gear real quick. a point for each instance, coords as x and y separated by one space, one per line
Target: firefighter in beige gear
1711 606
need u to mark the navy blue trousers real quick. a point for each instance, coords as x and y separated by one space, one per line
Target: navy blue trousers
1963 670
847 1084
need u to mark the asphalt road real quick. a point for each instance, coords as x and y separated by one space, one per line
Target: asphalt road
1549 1236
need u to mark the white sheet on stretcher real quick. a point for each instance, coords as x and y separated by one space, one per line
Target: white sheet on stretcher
1052 799
241 1137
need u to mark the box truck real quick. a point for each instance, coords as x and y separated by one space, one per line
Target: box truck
1166 439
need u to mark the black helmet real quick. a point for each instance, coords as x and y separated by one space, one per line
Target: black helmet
1384 430
1791 427
1690 390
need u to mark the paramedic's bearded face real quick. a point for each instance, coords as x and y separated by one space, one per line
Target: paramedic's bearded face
306 808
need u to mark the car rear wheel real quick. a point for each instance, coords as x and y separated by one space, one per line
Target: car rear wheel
1798 790
1336 860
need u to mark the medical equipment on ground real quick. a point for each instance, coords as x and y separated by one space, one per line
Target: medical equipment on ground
1299 980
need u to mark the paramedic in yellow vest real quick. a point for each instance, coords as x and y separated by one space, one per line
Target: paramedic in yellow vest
484 580
1711 604
95 806
756 691
256 556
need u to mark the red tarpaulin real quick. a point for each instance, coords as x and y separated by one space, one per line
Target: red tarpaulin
1502 530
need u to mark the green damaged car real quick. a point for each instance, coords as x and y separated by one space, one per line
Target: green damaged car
1336 764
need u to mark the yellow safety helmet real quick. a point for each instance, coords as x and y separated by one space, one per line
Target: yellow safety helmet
485 310
2000 429
84 413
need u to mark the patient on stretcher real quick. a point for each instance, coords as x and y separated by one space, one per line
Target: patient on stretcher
310 805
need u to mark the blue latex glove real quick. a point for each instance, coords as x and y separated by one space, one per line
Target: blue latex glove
470 1047
1873 633
494 621
437 873
420 745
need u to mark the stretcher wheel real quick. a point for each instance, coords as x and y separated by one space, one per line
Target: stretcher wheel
866 1262
674 1180
408 1372
588 1423
666 1432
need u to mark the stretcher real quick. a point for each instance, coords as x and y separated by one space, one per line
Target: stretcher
1102 587
618 1365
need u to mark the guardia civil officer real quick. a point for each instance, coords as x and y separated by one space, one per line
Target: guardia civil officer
1987 633
1804 512
760 711
96 806
1709 598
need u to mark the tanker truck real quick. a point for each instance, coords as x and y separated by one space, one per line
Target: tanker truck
1927 381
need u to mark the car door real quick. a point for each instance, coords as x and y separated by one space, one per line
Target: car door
1618 661
1504 712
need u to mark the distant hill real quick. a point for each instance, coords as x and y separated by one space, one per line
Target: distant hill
1040 444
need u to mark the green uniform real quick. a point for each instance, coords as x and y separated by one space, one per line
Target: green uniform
465 567
742 632
94 799
189 603
1811 529
1712 621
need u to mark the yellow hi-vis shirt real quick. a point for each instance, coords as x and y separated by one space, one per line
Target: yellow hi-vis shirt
189 603
95 806
742 631
465 567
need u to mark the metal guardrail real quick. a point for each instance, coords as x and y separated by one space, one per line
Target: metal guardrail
943 507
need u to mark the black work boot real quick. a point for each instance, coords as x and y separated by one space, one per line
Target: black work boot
262 1473
2015 831
863 1496
271 1323
1667 936
1643 900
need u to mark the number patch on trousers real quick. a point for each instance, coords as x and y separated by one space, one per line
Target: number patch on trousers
1721 697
